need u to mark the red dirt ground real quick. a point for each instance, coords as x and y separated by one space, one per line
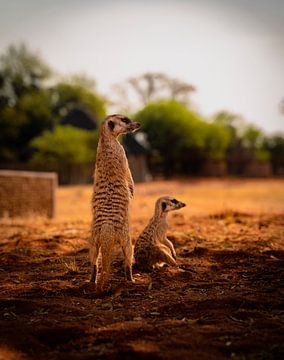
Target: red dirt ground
223 301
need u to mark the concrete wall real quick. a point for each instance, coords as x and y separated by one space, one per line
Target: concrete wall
25 193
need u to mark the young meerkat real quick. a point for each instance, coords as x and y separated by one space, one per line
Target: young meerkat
113 190
152 246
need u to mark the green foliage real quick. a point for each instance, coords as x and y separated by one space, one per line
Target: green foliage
68 95
262 155
28 106
217 140
21 71
20 123
65 145
252 137
249 136
165 122
180 135
234 123
275 145
30 114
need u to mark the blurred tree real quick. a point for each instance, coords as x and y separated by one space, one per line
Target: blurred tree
252 137
151 87
82 80
176 135
28 106
254 140
275 145
65 145
244 138
234 123
21 71
20 123
66 96
217 141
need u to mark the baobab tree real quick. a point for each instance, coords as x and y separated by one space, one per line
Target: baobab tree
138 91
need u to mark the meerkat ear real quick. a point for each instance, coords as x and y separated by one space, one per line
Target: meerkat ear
111 125
164 206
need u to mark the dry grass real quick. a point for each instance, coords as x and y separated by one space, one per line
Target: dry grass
203 197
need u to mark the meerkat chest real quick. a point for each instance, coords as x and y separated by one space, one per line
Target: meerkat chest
111 162
155 231
160 231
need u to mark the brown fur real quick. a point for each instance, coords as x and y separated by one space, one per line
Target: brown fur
152 246
113 189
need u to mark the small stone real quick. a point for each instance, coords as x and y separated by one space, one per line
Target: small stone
138 318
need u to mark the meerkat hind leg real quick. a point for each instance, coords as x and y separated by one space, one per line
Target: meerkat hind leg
106 252
127 249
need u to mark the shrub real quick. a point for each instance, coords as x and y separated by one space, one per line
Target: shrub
65 145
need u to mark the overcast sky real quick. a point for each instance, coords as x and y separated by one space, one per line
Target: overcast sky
231 50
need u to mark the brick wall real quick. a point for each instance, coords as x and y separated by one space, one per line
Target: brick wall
24 193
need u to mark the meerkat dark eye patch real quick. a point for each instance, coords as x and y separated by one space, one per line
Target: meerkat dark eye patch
126 120
111 125
164 206
174 201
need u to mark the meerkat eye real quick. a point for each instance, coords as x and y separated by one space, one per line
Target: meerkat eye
164 206
174 201
111 125
125 120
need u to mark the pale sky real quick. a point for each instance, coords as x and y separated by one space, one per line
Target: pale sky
232 51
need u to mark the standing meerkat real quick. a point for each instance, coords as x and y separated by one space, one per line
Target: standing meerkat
152 246
113 190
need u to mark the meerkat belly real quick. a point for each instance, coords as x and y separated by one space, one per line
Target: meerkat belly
110 204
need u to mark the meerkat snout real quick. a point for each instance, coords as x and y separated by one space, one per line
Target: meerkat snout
181 205
170 204
133 126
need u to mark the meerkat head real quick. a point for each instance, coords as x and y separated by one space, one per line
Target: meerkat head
168 203
119 124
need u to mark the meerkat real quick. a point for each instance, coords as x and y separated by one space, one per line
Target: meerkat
113 190
152 246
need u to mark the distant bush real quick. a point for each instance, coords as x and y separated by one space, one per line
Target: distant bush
29 105
67 95
262 155
274 144
181 138
217 140
65 145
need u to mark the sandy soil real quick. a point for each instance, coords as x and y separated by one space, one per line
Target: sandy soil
223 301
